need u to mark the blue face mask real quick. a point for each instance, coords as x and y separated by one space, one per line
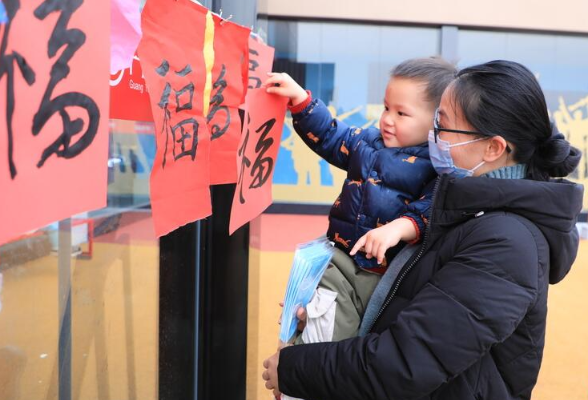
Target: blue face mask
442 160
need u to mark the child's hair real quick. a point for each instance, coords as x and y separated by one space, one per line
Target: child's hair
434 72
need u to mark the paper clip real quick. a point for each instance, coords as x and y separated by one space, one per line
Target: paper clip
225 20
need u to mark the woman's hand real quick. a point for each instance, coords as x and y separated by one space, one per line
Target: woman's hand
282 84
270 375
377 241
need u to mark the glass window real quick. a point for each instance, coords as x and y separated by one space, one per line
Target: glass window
86 289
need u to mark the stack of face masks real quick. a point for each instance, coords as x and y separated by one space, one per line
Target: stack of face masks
3 15
310 262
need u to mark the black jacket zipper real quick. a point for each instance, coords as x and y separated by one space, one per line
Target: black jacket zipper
412 264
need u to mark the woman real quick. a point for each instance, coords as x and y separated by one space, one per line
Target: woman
465 318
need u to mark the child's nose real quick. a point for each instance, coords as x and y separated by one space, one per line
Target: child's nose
389 120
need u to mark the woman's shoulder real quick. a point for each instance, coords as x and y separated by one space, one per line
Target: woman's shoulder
502 227
506 242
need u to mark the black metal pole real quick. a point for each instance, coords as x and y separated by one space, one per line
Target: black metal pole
177 313
223 303
65 338
203 283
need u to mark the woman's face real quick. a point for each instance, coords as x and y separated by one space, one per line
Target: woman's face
470 155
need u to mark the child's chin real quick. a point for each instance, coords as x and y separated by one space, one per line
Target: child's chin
391 142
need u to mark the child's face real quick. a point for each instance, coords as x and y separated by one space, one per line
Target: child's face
407 116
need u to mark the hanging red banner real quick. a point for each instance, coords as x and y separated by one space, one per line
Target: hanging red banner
261 61
172 53
54 67
229 77
257 153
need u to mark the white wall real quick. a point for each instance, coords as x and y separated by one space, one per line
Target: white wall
563 15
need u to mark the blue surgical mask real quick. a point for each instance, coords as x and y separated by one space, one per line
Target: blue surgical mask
442 160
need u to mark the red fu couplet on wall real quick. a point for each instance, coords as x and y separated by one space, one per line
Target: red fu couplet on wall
54 69
172 53
196 66
257 153
229 77
261 61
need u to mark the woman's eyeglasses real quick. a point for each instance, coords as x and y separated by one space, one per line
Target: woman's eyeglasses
437 129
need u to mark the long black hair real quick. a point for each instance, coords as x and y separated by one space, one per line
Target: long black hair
504 98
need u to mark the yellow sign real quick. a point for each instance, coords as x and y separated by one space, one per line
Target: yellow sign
572 121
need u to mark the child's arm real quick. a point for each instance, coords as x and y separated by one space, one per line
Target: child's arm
333 140
283 85
377 241
408 228
419 211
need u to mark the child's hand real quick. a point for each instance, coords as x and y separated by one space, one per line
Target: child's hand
300 314
377 241
282 84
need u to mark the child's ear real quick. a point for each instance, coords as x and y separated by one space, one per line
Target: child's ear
495 147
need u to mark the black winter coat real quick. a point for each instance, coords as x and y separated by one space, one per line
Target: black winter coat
466 316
